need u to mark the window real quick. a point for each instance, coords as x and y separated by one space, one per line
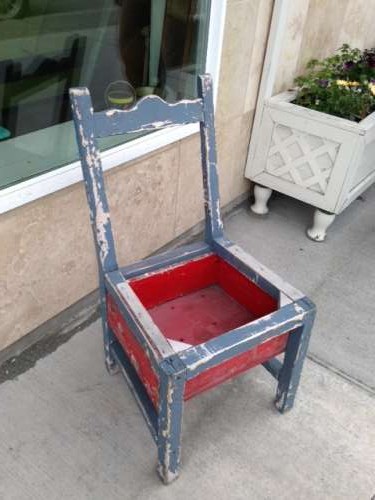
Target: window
120 49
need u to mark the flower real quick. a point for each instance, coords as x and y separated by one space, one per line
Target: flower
323 83
341 85
348 65
347 83
369 57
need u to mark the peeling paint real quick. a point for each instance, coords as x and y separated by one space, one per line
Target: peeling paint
171 368
205 354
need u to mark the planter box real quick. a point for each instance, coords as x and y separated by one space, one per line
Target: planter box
320 159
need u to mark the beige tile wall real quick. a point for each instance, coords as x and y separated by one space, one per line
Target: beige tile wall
316 28
47 257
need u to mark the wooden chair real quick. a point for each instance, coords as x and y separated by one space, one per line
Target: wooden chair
188 319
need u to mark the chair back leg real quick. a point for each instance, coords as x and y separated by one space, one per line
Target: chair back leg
97 200
213 225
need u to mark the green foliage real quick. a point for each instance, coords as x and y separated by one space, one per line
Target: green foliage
341 85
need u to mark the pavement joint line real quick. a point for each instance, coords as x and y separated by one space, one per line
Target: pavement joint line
349 378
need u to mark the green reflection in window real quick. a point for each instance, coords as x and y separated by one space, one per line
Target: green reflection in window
120 49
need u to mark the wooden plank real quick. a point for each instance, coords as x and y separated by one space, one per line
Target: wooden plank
172 384
261 275
295 354
93 177
99 211
215 351
148 114
145 405
137 317
235 366
273 366
135 351
214 224
168 258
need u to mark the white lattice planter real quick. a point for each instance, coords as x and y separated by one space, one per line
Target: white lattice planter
320 159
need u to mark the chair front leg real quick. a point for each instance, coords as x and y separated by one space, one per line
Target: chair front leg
295 353
108 337
171 393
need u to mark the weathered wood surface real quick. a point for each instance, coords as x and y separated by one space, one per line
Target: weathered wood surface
168 258
172 385
147 333
214 224
97 200
295 355
244 338
149 114
257 272
147 408
175 372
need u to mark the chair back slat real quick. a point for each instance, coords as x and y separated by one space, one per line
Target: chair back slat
213 222
150 113
94 183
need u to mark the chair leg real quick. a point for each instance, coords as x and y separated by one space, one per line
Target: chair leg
109 338
171 394
295 354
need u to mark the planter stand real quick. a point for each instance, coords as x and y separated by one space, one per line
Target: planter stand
189 319
322 160
321 222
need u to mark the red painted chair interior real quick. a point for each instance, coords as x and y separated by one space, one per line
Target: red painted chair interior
194 302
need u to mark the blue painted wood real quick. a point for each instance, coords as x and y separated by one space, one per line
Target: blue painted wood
224 248
273 366
139 392
254 270
171 393
173 369
214 225
140 322
97 200
294 358
148 114
93 177
230 344
169 258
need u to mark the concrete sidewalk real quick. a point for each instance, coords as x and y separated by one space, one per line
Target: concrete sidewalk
70 431
338 275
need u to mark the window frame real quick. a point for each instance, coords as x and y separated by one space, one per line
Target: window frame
67 175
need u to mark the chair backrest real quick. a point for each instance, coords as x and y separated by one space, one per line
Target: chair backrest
150 113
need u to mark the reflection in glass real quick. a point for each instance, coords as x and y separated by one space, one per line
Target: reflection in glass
120 49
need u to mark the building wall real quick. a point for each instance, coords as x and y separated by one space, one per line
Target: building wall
316 28
47 260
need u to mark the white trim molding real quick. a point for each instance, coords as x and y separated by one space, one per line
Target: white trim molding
270 64
62 177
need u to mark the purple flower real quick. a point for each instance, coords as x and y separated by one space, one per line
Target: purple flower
348 65
369 58
323 83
